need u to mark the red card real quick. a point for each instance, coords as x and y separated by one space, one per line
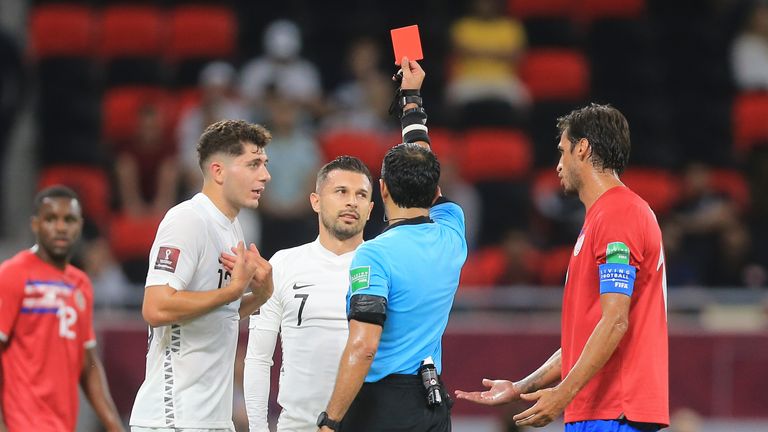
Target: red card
406 42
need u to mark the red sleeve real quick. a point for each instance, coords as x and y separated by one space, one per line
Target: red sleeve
620 224
90 334
11 296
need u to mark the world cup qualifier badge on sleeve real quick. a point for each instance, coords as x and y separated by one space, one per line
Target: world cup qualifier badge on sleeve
167 258
360 278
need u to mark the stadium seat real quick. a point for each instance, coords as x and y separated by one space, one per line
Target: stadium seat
750 121
131 44
369 146
592 10
120 109
90 183
495 154
541 8
553 266
131 237
62 30
555 74
732 183
199 31
659 188
131 31
483 268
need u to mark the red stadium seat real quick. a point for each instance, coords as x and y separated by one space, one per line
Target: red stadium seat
750 121
131 237
591 10
121 106
90 183
556 75
444 143
495 154
201 32
62 30
131 31
553 266
733 184
370 147
541 8
658 187
483 268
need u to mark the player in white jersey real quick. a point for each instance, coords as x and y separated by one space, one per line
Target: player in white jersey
191 301
308 308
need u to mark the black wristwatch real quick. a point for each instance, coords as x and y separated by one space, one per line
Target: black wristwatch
324 420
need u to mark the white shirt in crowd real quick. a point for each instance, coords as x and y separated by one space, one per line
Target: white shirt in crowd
308 309
190 364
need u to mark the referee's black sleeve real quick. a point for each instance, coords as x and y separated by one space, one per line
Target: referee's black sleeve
370 309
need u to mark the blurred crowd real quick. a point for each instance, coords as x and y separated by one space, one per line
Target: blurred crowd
490 61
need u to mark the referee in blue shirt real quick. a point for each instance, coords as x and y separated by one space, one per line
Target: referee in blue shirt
402 285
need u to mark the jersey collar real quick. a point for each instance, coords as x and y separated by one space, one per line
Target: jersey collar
212 210
418 220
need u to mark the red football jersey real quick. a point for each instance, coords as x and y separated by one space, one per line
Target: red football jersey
634 381
46 321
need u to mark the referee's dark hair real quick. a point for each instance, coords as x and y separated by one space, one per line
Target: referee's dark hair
55 191
343 163
607 131
411 173
228 137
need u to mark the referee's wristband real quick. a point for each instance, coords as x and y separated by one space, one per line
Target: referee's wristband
414 125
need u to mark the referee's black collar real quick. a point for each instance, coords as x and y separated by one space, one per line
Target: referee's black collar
418 220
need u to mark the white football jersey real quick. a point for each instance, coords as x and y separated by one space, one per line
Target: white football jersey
308 309
190 364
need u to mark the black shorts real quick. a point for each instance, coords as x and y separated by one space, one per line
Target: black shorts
397 403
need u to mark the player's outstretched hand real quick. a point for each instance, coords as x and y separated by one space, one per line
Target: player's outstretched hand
413 75
499 392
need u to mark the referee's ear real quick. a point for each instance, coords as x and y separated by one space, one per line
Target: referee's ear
383 189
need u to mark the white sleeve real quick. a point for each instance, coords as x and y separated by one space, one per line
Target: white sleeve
176 251
262 338
256 378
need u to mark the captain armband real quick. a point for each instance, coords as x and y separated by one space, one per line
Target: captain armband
617 278
370 309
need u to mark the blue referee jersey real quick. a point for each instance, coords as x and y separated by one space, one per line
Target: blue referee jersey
415 265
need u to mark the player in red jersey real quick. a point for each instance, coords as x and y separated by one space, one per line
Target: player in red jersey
613 357
47 341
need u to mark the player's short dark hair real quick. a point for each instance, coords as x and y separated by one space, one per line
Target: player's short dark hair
343 163
55 191
607 131
411 173
228 137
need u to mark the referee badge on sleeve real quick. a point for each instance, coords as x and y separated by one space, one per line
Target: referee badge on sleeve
360 278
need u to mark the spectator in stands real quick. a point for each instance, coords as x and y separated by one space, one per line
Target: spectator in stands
361 102
146 168
462 193
294 158
11 80
218 102
749 53
487 48
521 259
713 233
281 66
